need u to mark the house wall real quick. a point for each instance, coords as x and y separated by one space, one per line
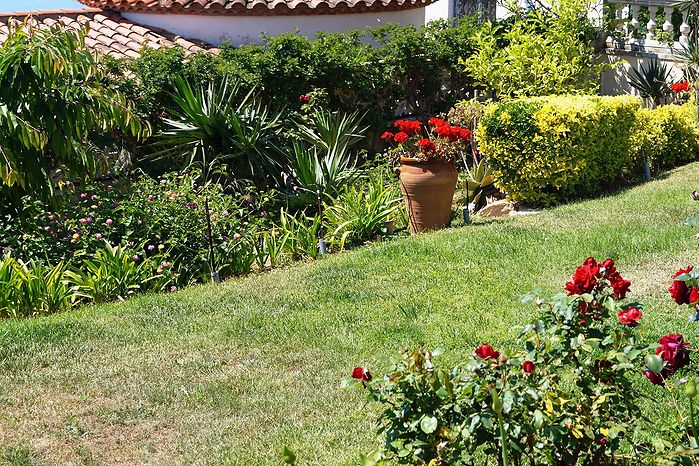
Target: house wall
240 30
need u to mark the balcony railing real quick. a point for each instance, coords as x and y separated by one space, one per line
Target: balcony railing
634 31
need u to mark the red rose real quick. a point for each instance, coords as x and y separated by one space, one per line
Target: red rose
361 374
657 379
679 289
400 137
630 316
620 285
528 367
304 99
607 266
673 350
426 145
486 351
387 136
693 295
584 278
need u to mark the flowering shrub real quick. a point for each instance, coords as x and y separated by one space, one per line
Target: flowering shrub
440 141
565 398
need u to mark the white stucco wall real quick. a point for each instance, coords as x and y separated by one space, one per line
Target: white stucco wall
246 29
439 9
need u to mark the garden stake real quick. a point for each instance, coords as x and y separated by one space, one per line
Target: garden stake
467 217
322 247
212 258
646 168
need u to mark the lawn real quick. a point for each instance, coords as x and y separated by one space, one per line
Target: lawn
232 374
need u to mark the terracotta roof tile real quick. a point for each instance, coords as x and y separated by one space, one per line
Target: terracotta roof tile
256 7
108 32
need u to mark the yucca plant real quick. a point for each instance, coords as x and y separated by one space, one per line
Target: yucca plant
478 182
360 212
651 81
321 158
114 272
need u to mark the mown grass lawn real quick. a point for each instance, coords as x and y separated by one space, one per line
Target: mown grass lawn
231 374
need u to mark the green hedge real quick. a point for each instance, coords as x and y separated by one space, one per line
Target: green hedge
667 135
546 150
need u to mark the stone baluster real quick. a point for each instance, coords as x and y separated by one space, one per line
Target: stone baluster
634 23
667 25
620 7
685 29
652 25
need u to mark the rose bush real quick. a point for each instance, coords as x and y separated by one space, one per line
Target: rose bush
565 398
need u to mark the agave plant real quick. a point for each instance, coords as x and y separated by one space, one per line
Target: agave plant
478 182
651 81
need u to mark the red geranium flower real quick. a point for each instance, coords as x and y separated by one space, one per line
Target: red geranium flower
409 127
436 122
679 290
400 137
486 351
426 145
387 136
682 86
304 99
528 367
630 316
362 374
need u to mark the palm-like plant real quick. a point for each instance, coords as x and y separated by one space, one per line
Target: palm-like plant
54 99
651 81
213 127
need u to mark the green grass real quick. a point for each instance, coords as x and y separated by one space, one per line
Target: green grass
232 374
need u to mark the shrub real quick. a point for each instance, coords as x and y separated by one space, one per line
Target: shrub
566 397
547 150
667 135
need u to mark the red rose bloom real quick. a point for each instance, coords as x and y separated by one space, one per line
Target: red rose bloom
673 350
584 278
486 351
620 285
630 316
387 136
607 266
361 374
528 367
400 137
426 145
679 289
693 295
682 86
657 379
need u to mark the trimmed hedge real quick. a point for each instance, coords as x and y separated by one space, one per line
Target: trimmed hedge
668 135
546 150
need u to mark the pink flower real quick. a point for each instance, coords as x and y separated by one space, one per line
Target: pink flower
136 258
98 236
150 197
109 222
173 288
150 247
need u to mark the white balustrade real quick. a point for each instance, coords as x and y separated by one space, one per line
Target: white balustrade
630 30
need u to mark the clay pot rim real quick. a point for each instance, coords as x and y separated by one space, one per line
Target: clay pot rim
414 161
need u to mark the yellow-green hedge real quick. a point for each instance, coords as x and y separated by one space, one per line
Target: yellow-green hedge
546 150
667 134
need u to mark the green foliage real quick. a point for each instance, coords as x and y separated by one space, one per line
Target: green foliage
667 135
547 150
304 233
538 55
54 100
32 288
117 272
360 212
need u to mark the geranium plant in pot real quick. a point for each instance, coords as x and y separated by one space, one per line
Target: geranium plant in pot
427 155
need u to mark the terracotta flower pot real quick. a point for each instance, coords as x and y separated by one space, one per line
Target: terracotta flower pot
428 190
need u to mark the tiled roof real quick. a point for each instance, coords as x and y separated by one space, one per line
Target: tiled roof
256 7
108 32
